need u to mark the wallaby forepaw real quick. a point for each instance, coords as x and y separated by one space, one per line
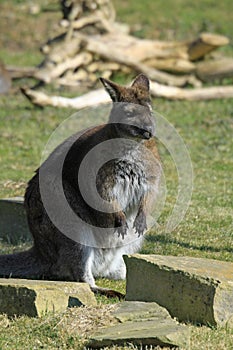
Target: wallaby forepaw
121 225
140 224
122 231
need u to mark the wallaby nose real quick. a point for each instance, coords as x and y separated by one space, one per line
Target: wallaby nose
149 132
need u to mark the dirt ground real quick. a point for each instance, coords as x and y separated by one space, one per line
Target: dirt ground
22 30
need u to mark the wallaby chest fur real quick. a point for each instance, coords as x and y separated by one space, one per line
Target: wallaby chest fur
131 183
127 183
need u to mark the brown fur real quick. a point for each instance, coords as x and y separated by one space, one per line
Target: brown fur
54 255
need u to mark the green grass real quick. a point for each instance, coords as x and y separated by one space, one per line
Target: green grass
207 227
176 20
206 128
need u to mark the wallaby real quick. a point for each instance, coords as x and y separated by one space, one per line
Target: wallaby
127 182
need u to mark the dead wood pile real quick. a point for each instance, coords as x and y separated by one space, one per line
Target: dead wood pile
92 44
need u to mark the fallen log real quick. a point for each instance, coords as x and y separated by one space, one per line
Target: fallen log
21 72
172 65
197 94
121 49
116 54
89 99
58 39
74 9
5 79
96 19
204 44
157 90
62 50
49 74
157 59
215 69
141 49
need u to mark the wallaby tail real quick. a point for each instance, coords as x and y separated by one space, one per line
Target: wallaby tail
21 265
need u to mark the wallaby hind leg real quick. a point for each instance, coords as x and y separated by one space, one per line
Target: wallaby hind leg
109 293
89 278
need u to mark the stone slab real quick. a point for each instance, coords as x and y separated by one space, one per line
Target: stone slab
138 311
34 298
142 324
191 289
13 221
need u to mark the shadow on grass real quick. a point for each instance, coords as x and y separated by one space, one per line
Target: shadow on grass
165 239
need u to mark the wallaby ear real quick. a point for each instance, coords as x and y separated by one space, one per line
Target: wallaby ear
141 81
112 89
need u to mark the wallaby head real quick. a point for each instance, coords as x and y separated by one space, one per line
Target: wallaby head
131 112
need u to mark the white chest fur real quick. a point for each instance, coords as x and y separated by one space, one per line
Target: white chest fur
131 182
130 186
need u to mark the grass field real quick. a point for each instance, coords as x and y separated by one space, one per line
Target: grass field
205 127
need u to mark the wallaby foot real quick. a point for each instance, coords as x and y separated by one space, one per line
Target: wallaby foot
109 293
